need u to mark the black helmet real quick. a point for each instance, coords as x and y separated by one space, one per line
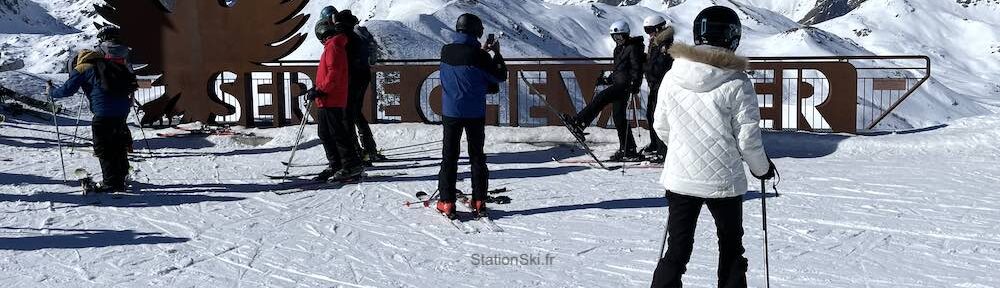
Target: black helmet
345 18
718 26
327 13
324 29
470 24
109 33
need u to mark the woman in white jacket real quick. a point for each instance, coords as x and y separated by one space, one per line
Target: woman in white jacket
708 119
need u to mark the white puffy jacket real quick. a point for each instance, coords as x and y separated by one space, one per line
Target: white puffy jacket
707 116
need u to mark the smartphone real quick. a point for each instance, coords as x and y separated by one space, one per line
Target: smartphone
491 38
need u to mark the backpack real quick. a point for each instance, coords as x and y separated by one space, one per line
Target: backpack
369 46
116 79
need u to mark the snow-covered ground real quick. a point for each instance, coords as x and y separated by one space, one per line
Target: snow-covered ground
914 209
958 36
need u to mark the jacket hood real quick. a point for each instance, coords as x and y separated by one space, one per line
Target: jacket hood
666 35
703 68
462 38
84 58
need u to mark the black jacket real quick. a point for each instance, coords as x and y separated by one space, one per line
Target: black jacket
628 64
658 60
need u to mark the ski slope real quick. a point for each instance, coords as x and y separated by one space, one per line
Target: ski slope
914 209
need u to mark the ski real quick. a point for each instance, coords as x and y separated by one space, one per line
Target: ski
303 164
577 135
309 185
426 201
483 217
279 176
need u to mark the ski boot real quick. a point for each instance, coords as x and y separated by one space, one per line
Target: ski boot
447 208
626 156
575 127
656 158
326 174
347 174
649 150
478 207
376 157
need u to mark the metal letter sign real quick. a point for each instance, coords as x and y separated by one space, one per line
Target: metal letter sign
217 61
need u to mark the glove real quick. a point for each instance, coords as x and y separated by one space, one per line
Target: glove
601 80
312 94
770 172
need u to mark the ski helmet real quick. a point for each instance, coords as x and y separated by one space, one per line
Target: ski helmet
109 33
470 24
619 27
653 21
718 26
327 13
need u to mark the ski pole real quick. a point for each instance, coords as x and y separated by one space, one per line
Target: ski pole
763 209
138 122
298 137
76 129
55 121
663 243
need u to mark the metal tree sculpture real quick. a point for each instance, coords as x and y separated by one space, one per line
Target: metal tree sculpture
191 42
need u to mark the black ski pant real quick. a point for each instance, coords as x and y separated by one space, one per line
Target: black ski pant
681 222
655 141
339 141
111 141
475 130
358 87
617 95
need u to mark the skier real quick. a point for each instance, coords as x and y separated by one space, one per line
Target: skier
362 52
658 62
625 80
111 45
468 73
109 86
707 116
331 97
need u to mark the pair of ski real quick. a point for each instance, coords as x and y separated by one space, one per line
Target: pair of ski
90 186
578 135
202 131
429 202
629 164
302 183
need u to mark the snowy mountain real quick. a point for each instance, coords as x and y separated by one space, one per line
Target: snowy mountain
964 66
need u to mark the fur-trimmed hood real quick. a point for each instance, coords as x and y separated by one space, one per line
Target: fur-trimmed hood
666 35
703 68
711 55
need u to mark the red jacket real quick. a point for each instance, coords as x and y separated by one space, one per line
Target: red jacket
332 77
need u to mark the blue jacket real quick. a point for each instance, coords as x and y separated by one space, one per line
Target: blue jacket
84 75
468 73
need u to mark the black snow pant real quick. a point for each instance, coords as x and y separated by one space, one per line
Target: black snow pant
655 141
111 141
683 217
356 101
617 95
475 130
339 141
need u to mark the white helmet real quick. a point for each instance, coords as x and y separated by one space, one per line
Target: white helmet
619 27
653 21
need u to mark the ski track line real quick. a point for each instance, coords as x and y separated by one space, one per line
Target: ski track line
862 227
317 277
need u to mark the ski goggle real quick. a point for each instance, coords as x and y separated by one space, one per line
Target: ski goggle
651 29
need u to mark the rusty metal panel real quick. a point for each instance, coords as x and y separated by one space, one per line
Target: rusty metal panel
889 84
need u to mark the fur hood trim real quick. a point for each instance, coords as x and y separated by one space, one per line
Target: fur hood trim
715 56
